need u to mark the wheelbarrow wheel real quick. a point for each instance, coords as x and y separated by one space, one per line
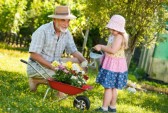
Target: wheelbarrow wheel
81 102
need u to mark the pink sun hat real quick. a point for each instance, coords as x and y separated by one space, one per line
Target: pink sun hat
117 22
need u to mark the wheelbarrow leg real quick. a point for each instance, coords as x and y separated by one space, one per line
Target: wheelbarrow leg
60 99
46 94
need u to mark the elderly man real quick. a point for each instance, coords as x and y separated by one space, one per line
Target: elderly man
48 43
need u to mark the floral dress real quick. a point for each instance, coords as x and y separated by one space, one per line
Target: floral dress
113 72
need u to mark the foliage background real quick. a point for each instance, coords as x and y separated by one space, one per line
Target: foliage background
145 20
20 18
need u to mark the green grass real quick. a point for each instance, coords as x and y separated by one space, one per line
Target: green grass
16 97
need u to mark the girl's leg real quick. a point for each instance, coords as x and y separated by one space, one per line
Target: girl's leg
106 100
114 98
107 97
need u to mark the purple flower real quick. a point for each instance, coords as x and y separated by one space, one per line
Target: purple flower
61 67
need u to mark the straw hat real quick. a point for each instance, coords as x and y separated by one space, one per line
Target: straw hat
117 22
62 12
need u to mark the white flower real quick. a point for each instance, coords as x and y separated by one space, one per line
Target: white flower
76 67
9 109
83 81
64 64
79 82
73 77
83 72
132 90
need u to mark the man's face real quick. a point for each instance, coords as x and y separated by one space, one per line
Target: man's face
61 24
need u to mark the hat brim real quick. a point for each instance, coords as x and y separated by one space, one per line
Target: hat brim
116 26
119 30
62 16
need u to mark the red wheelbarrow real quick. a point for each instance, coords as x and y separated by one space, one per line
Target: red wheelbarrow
80 101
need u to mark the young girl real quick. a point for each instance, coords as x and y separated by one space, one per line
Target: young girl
113 72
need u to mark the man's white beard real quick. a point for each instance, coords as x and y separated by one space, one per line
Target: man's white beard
63 30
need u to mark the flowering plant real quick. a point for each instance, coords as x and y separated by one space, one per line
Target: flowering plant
69 73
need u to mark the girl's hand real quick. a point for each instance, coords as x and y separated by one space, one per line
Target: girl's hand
98 47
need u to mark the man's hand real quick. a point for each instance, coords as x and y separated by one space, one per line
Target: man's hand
84 63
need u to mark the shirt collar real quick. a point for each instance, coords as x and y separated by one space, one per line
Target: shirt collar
52 28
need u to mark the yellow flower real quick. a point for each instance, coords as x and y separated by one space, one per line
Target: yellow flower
55 64
80 67
69 65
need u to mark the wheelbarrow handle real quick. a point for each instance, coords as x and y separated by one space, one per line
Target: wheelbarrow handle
33 68
32 60
23 61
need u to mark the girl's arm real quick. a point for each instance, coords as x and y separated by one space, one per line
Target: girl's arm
111 49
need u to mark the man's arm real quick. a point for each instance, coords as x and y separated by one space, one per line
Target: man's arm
37 57
79 56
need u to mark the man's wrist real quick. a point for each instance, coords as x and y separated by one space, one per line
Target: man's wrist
52 67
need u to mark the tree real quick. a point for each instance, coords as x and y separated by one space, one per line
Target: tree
144 19
23 17
12 15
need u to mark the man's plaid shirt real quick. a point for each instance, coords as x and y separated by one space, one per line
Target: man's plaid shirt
46 43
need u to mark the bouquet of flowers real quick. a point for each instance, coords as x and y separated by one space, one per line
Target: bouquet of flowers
69 73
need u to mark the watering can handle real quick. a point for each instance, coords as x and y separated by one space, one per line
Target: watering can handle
93 50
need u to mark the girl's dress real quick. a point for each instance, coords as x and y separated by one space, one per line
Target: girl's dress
113 72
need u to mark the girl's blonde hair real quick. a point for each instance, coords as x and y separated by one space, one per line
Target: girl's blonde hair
125 40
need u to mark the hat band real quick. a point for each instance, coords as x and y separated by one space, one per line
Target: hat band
62 13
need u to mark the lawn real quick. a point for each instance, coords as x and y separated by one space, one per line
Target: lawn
16 97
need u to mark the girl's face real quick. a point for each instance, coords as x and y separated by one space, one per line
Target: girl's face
114 32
